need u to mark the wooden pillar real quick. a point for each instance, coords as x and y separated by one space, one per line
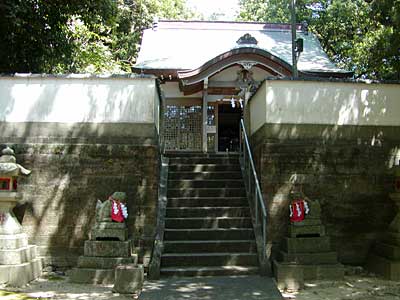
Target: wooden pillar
205 94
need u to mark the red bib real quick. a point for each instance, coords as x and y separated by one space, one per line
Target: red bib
297 211
116 212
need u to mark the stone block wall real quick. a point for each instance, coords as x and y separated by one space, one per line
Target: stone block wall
69 174
346 169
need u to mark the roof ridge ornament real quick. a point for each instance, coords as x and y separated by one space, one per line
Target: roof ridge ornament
247 39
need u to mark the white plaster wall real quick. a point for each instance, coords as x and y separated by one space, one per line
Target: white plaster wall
333 103
258 109
72 100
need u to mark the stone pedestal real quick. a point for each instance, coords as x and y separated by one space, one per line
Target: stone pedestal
19 263
107 248
128 279
307 250
385 256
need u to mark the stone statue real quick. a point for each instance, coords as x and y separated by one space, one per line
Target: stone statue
110 219
113 209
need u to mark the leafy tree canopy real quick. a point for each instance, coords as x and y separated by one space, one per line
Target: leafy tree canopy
63 36
359 35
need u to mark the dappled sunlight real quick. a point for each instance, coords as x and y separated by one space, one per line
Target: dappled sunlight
213 288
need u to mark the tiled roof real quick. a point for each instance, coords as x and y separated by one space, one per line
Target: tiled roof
186 45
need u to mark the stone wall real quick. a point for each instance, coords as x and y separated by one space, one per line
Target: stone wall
345 169
70 174
83 137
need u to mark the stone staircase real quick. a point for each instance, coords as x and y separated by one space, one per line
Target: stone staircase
208 229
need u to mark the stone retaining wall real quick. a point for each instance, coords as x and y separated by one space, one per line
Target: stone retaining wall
346 170
70 174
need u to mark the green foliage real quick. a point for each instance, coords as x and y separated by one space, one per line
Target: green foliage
359 35
95 36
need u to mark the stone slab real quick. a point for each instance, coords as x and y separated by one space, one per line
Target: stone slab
8 242
301 231
288 276
109 225
384 267
128 279
20 275
211 288
309 258
323 272
105 262
391 252
307 244
120 234
17 256
92 276
107 248
307 222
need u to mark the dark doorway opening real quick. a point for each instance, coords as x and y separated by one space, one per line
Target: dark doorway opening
228 127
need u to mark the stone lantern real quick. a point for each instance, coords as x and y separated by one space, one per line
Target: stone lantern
18 262
9 195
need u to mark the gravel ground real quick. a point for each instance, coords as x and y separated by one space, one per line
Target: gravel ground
355 286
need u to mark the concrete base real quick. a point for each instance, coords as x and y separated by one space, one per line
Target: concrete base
105 262
309 258
14 241
389 269
128 279
109 230
323 272
99 261
301 231
20 274
17 256
288 276
19 263
107 248
306 245
92 276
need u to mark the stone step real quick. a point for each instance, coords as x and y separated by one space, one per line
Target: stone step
209 271
391 252
177 154
93 262
306 245
208 246
203 160
219 222
208 201
206 192
204 168
309 258
208 234
21 274
190 212
18 256
205 175
208 259
92 276
13 241
215 183
107 248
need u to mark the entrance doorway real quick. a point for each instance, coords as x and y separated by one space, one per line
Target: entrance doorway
228 127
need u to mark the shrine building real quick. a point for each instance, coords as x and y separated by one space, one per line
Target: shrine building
85 137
